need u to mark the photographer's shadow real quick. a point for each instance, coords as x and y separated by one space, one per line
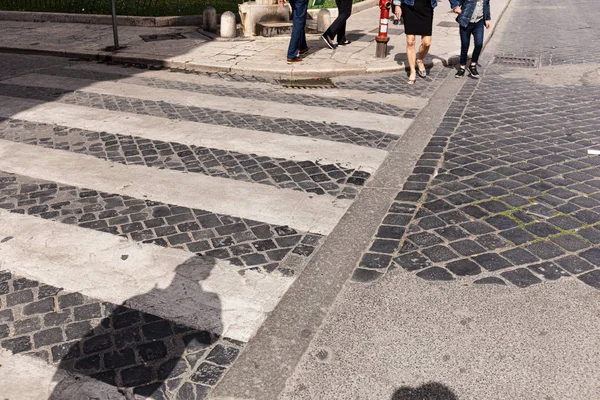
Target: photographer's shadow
428 391
140 353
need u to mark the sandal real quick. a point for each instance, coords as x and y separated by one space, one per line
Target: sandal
411 79
422 72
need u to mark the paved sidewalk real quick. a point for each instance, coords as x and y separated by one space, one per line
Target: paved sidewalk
256 56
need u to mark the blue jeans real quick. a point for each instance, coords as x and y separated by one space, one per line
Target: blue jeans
475 29
298 39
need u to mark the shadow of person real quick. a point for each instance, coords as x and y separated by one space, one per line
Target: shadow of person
152 353
428 391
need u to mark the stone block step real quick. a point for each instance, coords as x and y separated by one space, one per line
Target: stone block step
272 29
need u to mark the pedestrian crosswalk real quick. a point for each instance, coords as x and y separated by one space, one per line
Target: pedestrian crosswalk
149 221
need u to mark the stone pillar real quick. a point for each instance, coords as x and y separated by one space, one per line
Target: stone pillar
228 25
323 20
209 19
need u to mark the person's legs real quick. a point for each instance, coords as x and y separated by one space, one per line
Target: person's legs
465 42
477 33
478 41
298 39
345 9
423 51
411 55
341 35
425 46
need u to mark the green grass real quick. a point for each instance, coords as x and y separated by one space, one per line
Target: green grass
142 8
328 4
146 8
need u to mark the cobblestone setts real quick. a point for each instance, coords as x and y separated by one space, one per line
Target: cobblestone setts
244 243
555 46
504 192
304 176
288 126
396 84
112 343
267 93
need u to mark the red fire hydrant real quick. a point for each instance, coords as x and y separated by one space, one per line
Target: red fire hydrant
382 38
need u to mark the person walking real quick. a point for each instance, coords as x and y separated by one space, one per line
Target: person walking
473 15
337 29
418 21
298 44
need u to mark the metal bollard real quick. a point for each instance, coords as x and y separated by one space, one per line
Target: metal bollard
382 38
114 23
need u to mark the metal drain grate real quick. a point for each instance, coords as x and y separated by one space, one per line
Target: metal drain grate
521 62
324 83
448 24
165 36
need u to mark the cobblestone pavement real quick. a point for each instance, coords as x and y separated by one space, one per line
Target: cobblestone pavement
505 192
141 352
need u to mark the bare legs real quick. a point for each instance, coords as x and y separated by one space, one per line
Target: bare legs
413 57
423 51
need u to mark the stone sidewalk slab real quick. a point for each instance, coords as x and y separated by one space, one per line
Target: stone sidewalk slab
258 56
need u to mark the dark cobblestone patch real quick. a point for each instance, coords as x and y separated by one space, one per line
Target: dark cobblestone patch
287 126
505 188
266 92
383 83
304 176
242 242
149 354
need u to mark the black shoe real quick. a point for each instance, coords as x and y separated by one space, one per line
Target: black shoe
473 71
344 43
328 41
460 73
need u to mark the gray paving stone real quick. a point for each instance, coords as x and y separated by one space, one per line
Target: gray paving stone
591 278
366 275
549 271
464 267
435 274
521 277
491 280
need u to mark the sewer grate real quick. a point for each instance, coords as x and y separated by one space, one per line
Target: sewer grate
164 36
448 24
317 83
522 62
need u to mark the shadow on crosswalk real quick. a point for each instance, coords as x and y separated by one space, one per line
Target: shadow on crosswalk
428 391
143 354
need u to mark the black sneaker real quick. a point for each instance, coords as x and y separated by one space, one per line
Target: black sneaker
328 41
473 71
460 73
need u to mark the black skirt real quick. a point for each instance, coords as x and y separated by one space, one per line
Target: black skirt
418 19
